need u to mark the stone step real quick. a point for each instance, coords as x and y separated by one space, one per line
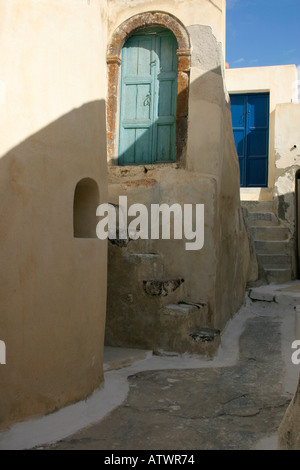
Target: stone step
180 310
258 206
262 219
270 247
204 342
269 233
119 358
278 276
274 261
286 294
181 329
271 241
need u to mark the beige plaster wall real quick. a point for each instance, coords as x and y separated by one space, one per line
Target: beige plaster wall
217 274
282 84
211 151
287 146
287 164
53 286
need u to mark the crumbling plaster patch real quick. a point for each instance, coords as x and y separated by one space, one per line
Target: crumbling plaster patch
285 183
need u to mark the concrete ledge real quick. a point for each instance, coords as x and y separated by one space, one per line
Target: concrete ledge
118 358
284 294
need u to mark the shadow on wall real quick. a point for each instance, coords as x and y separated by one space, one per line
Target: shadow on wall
223 262
297 210
287 209
206 89
53 275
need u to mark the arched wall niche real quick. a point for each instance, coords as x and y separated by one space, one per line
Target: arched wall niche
86 201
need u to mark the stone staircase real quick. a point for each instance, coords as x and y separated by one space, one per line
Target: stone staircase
149 310
181 329
271 241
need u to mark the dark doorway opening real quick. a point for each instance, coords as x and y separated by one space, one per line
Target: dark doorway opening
298 221
250 121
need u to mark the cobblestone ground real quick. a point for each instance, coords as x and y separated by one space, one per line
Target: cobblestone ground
230 408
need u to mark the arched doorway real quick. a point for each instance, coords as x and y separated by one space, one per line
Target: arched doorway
136 24
149 52
148 98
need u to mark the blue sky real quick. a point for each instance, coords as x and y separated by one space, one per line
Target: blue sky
263 32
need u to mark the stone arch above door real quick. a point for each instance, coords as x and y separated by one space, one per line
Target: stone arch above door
121 34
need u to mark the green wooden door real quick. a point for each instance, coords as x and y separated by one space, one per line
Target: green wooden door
148 99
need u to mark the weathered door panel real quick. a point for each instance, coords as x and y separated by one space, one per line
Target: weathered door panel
136 114
148 99
250 121
238 110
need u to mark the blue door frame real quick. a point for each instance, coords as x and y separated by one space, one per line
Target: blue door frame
250 122
148 98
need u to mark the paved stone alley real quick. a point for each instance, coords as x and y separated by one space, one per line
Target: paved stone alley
235 402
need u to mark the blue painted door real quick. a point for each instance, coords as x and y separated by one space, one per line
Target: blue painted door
148 99
250 121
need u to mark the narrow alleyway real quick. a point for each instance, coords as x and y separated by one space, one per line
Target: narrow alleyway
237 401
